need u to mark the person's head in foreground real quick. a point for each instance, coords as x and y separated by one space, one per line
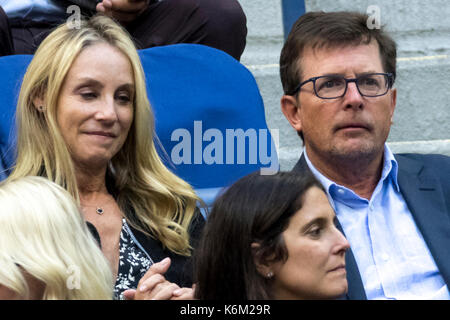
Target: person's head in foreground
47 251
271 237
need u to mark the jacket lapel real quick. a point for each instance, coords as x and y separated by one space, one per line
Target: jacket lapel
355 286
425 199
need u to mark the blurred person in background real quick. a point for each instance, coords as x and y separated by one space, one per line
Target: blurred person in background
219 24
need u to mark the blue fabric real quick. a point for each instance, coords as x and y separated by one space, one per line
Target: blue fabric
12 69
188 83
195 91
405 270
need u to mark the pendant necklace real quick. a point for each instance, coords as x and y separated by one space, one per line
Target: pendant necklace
99 209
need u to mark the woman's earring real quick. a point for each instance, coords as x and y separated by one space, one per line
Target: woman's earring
269 274
41 108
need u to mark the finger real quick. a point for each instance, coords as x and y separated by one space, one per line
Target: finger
107 4
100 7
150 283
127 6
183 294
165 291
160 291
181 291
129 294
157 268
187 296
148 289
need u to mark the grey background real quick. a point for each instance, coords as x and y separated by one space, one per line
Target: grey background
422 32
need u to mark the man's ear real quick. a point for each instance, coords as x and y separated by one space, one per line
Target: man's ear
263 268
290 109
393 102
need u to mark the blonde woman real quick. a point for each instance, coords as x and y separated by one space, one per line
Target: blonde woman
84 121
47 251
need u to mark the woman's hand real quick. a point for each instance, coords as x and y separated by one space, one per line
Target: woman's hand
153 285
183 294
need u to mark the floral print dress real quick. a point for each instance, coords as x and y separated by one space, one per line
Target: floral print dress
133 262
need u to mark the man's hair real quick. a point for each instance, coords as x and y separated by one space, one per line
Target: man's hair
317 30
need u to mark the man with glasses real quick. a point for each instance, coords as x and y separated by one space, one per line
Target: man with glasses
338 77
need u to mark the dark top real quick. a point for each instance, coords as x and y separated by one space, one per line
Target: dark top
180 270
138 252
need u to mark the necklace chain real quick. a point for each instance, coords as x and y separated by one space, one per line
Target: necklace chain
99 208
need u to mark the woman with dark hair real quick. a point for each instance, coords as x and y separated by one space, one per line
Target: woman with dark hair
271 237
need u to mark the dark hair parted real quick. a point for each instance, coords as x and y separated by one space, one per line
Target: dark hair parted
256 209
318 30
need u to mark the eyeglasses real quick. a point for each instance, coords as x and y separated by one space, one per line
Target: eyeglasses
334 86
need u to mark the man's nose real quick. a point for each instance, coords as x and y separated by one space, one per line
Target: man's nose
352 97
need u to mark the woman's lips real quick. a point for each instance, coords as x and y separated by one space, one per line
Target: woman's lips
102 134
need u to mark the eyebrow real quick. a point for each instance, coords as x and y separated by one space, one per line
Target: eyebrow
126 86
332 75
357 74
319 221
90 82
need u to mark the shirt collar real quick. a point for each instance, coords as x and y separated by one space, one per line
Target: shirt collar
390 170
390 167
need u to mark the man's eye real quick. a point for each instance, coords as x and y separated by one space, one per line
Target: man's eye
330 83
370 82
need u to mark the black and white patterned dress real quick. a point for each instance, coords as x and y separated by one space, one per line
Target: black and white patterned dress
133 262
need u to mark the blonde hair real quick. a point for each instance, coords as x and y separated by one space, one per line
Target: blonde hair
153 199
43 233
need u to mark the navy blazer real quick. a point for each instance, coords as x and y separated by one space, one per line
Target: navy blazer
424 182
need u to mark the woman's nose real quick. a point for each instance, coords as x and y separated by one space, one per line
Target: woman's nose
107 110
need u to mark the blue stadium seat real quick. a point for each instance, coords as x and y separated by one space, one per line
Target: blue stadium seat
209 114
210 97
12 69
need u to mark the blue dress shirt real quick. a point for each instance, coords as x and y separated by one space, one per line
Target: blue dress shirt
391 254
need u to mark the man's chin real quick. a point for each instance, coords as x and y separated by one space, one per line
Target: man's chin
355 151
